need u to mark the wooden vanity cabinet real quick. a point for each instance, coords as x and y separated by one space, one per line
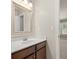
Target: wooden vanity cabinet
37 51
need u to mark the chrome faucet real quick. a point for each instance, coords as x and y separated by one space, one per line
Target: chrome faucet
25 39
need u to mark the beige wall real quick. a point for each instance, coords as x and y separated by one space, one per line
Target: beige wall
47 24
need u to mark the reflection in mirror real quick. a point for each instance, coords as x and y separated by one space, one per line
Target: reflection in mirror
19 17
21 23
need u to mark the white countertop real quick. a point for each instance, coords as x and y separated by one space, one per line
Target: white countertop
17 45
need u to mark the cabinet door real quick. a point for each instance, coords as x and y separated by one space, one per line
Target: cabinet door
41 54
30 57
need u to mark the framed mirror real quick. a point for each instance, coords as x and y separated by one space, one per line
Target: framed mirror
21 17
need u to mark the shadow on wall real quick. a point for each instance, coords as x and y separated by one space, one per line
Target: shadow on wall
48 52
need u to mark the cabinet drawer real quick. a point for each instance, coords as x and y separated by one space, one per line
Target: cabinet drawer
40 45
23 53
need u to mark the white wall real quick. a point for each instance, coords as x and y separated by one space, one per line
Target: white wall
46 24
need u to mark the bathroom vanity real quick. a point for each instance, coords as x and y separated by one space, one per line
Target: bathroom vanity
36 50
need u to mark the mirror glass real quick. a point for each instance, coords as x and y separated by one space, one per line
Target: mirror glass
19 20
22 15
